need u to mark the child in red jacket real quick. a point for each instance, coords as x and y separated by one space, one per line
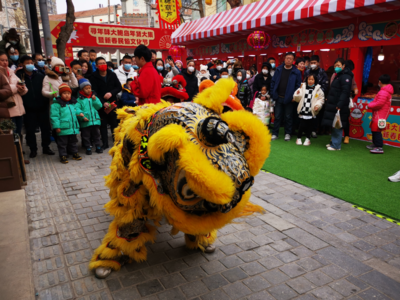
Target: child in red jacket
380 107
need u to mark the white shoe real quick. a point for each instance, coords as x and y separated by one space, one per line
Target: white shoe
328 145
210 249
395 177
332 149
307 142
299 142
102 272
287 137
274 137
314 135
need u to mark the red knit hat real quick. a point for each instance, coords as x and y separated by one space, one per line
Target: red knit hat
64 88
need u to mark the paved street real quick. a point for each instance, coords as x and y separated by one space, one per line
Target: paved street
308 245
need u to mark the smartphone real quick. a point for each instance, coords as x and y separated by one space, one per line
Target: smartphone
79 72
233 61
61 69
169 57
66 70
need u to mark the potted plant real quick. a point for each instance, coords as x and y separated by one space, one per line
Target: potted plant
6 126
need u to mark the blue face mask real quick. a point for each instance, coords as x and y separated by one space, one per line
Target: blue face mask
337 69
311 85
135 67
167 65
30 67
159 68
127 66
112 70
273 65
40 64
14 57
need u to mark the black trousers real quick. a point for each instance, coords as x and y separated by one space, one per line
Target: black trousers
346 129
305 126
89 134
107 119
33 119
67 143
377 139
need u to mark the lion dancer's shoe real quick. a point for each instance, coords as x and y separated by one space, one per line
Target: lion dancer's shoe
122 244
202 242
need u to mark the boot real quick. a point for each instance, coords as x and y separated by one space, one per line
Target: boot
346 140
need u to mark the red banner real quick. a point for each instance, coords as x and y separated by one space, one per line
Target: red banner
168 14
114 36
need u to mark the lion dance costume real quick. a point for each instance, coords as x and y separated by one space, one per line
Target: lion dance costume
187 162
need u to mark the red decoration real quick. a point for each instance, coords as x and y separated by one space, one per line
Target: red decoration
175 51
258 40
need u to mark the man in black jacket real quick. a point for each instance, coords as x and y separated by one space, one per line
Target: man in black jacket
37 109
106 85
216 72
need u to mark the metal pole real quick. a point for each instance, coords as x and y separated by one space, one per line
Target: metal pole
6 9
1 29
35 27
28 20
46 27
109 12
115 14
118 57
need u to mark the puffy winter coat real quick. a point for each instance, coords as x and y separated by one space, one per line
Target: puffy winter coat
244 93
200 76
339 96
192 84
321 77
293 84
63 116
121 74
17 110
317 100
5 93
259 82
262 109
147 86
380 106
89 108
52 81
127 98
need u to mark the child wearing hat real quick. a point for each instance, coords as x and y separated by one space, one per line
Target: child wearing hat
63 118
89 118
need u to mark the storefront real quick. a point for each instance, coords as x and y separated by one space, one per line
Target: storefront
332 29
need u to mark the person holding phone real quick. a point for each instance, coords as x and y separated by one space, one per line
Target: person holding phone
170 68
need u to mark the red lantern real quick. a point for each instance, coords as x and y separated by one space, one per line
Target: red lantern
258 40
175 51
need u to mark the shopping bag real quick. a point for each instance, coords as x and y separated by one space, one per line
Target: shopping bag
337 123
110 108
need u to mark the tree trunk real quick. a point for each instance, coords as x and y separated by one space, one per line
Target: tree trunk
201 9
66 30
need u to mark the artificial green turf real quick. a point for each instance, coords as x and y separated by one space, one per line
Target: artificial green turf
352 174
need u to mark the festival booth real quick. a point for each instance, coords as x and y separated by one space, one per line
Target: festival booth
367 32
110 38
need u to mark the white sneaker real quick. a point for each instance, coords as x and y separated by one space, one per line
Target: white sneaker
332 149
299 142
307 142
287 137
395 177
274 137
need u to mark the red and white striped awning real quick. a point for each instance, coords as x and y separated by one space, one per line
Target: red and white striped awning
276 14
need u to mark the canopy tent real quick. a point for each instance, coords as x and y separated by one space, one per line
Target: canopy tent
272 14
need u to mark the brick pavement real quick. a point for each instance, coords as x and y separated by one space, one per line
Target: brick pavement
308 245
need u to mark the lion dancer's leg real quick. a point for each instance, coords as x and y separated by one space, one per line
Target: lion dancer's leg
128 232
204 242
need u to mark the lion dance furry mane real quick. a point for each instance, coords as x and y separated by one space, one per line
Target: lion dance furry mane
187 162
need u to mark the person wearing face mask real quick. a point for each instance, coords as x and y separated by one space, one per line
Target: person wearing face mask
263 78
13 57
159 65
39 62
323 81
13 38
192 84
244 92
224 73
338 100
307 62
36 106
272 62
204 73
170 68
56 76
229 67
125 70
215 73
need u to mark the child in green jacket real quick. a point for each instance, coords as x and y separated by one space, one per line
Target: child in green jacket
89 118
63 118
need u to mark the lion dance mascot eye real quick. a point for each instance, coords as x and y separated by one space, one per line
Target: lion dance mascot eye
186 162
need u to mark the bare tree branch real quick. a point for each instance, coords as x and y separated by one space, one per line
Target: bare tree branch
66 30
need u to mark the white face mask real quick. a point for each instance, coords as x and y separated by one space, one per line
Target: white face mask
230 71
219 68
191 69
263 95
265 72
224 76
313 67
247 76
239 78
